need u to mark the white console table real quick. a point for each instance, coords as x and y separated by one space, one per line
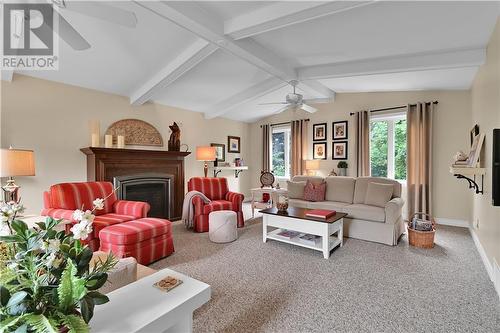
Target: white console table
140 307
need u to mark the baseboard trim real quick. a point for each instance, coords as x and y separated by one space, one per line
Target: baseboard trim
452 222
493 270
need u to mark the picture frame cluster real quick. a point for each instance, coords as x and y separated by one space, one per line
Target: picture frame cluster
339 138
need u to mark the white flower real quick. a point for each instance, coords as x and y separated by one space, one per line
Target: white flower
13 265
82 230
54 245
50 259
78 215
98 203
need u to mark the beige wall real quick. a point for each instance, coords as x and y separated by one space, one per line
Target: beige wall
52 119
486 113
452 200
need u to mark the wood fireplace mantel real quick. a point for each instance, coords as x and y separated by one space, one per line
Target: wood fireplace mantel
105 163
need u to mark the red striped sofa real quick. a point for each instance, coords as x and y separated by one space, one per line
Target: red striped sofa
215 189
62 199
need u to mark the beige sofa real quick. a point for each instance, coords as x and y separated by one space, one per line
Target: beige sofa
347 194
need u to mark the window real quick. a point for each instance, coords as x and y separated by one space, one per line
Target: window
388 146
280 151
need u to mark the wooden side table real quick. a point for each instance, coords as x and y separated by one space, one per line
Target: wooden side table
273 193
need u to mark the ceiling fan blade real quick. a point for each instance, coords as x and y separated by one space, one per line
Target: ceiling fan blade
282 103
103 12
317 100
70 35
308 108
285 108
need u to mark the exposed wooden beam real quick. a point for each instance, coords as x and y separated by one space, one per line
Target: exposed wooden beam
191 17
282 14
252 93
397 64
185 61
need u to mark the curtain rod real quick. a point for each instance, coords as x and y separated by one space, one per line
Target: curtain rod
393 108
284 123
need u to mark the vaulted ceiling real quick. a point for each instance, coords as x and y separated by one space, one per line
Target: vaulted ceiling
225 58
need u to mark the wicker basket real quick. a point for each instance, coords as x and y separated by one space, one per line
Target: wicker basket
422 239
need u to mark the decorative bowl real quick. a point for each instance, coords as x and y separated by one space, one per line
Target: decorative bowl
282 206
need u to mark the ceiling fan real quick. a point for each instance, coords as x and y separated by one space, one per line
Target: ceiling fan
295 101
89 8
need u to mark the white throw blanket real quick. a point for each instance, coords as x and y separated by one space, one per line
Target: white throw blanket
188 207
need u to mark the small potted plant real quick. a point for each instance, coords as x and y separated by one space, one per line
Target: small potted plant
342 165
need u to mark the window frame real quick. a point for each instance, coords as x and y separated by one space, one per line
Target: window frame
391 119
287 129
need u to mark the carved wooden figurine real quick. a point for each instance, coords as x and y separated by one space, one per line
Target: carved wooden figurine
174 143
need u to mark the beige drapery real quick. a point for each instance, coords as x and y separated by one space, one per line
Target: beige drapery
299 146
419 158
265 147
362 119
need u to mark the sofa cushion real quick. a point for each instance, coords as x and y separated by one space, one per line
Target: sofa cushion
213 188
362 186
314 179
365 212
314 192
300 203
135 232
103 221
340 189
330 205
73 196
217 205
378 194
295 189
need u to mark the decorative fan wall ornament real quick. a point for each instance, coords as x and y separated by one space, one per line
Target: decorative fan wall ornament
137 132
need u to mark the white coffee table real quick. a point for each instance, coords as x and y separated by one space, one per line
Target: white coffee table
296 220
140 307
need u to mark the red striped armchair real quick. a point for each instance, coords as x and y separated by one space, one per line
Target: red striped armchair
215 189
62 199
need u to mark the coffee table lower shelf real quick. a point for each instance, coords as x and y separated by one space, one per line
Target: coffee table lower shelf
333 241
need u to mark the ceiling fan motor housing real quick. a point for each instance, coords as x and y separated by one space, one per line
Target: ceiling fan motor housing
294 98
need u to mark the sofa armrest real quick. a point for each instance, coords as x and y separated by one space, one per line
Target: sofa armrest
46 199
394 210
137 209
236 199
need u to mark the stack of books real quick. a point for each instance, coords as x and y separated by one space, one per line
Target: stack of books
461 164
309 239
288 234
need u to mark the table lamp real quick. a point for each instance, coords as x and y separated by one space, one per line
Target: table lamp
13 163
205 154
311 167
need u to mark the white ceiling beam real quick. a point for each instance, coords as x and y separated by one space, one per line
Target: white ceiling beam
252 93
284 14
397 64
184 62
191 17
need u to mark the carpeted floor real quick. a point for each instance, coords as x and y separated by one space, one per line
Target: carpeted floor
363 287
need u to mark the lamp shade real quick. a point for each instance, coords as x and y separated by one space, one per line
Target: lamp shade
312 164
205 153
17 162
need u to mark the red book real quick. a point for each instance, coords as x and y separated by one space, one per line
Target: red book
321 213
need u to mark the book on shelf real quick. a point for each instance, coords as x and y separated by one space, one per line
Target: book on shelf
288 234
321 213
309 239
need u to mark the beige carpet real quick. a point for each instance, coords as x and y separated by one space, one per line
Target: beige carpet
363 287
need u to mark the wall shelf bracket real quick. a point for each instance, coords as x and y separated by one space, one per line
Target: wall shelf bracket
472 183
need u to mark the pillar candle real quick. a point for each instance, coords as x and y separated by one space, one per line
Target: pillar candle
121 141
95 140
108 141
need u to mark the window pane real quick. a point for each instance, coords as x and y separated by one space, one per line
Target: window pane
400 149
278 154
378 148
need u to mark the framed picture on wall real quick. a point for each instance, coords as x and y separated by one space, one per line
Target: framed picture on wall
233 144
319 150
339 129
473 132
339 150
220 151
319 132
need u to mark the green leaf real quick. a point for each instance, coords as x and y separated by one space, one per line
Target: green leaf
41 225
98 297
4 296
97 282
22 329
87 308
10 322
75 324
6 277
40 324
71 288
16 298
19 226
85 257
11 239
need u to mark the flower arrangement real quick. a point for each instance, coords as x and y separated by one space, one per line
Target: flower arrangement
47 283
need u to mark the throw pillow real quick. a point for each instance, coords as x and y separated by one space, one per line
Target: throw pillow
314 192
295 189
378 194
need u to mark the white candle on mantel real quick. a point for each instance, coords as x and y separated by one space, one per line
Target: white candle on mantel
108 141
95 140
121 141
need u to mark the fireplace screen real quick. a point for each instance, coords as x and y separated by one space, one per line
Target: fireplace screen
153 188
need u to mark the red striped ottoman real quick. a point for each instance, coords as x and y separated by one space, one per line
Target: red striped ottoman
147 239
